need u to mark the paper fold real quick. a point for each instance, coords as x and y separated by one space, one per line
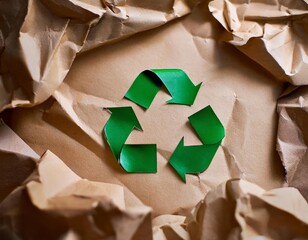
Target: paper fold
272 33
241 210
59 203
39 39
292 137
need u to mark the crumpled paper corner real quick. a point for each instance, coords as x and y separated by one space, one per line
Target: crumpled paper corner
238 209
39 39
271 33
57 201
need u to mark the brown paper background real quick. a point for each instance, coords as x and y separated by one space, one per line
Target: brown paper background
243 87
230 85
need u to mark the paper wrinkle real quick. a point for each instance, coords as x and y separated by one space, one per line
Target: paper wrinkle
239 122
79 201
123 20
241 210
292 137
82 103
43 37
74 9
169 227
10 142
17 161
269 33
65 99
235 209
74 103
57 180
43 46
62 201
55 175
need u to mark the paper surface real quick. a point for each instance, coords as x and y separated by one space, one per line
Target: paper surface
272 33
241 210
62 205
71 127
56 53
42 38
17 161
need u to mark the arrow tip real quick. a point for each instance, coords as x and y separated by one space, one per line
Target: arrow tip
197 87
183 176
175 158
187 98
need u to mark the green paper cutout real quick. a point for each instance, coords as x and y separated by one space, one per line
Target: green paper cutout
207 125
147 84
196 159
131 157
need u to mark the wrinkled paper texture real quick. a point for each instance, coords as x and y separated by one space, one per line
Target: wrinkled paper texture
273 33
64 61
292 138
60 204
42 38
241 210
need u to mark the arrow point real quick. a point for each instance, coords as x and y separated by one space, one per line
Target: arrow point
197 87
180 101
172 100
187 98
183 176
132 116
178 147
173 161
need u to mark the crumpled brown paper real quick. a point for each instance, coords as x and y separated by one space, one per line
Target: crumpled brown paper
39 47
61 205
39 39
17 160
38 43
292 137
169 227
273 33
241 210
74 121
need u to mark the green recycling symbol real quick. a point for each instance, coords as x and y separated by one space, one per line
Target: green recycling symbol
141 158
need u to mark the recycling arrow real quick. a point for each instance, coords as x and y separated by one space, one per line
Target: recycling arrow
147 84
132 157
196 159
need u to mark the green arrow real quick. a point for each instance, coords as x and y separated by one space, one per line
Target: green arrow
133 158
121 123
192 159
196 159
147 84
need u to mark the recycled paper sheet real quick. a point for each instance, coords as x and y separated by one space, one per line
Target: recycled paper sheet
63 62
74 121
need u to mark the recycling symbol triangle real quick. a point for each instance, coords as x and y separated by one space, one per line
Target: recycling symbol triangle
141 158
